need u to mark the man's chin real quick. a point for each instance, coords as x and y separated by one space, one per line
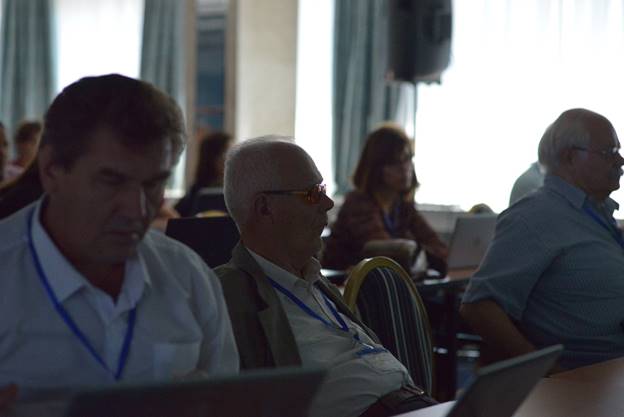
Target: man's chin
318 247
119 253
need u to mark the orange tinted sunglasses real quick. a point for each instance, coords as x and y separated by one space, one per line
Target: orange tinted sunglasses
312 195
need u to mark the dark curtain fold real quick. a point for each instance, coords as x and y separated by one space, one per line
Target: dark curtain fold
26 60
363 97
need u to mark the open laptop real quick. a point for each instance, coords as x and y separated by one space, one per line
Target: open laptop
499 389
470 240
282 392
213 238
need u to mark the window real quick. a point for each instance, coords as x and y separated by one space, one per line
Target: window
313 117
516 65
97 37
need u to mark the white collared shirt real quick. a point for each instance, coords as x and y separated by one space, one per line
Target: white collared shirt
65 280
353 382
182 324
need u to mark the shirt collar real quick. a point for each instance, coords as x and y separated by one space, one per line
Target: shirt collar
65 280
573 194
311 271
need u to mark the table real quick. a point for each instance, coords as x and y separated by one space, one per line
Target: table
609 373
591 391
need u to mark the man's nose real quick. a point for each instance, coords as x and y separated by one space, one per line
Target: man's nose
327 202
134 203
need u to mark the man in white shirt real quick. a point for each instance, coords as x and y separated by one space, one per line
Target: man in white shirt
88 295
284 312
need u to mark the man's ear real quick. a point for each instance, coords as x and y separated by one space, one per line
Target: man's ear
261 205
568 156
49 170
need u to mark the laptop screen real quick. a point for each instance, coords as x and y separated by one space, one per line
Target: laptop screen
499 389
470 240
265 393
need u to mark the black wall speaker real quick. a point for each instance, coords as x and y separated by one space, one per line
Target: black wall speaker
419 38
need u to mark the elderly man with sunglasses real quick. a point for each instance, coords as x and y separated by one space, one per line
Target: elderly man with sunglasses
283 311
554 271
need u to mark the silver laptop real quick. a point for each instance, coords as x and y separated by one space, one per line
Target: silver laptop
470 240
500 389
266 393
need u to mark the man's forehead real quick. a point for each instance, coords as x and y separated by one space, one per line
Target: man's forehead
105 140
106 150
297 169
603 134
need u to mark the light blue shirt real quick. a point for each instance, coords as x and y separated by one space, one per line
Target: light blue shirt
182 324
353 383
558 273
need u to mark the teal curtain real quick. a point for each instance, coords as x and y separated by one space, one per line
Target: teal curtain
363 97
26 60
162 51
163 60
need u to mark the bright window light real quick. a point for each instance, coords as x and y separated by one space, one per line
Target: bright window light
97 37
313 116
516 65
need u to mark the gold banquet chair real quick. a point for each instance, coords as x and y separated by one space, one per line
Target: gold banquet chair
386 299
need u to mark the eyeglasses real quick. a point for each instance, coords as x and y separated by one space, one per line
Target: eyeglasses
605 153
312 195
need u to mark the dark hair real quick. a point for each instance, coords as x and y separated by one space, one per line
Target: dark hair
383 146
27 132
211 151
135 110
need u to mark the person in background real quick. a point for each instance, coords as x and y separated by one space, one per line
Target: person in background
90 295
26 142
480 208
21 191
553 272
529 181
209 173
379 217
4 153
284 312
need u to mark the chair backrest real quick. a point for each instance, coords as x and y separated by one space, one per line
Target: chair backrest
209 199
213 238
387 301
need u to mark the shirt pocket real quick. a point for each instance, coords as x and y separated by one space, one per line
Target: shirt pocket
383 363
174 360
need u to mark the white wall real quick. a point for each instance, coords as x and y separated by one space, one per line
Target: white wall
262 55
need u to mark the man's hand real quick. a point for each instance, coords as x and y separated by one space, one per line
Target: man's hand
8 395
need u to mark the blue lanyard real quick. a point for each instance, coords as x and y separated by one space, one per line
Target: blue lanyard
366 349
309 311
125 349
391 221
612 229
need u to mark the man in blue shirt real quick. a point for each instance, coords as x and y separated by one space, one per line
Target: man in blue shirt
553 273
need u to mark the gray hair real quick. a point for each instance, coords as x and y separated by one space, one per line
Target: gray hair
572 128
249 169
